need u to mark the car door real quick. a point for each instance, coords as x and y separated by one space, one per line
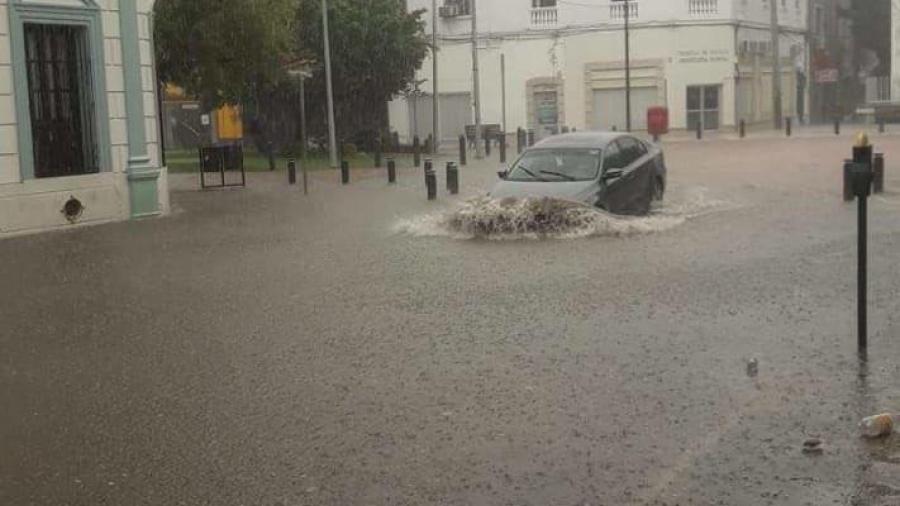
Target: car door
630 193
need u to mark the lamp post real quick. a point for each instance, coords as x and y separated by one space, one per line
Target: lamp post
332 136
300 71
627 15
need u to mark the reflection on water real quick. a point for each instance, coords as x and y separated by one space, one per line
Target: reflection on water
537 218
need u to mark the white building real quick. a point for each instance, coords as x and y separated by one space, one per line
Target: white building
707 61
78 114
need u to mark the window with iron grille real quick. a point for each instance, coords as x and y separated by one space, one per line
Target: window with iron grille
60 100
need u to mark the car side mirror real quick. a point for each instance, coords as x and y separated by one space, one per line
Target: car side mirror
612 174
502 174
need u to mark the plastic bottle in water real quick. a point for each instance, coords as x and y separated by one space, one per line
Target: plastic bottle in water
878 425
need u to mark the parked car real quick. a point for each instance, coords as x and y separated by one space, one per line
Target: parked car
614 171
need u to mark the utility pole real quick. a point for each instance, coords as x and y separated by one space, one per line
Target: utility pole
776 67
628 68
332 136
435 111
476 88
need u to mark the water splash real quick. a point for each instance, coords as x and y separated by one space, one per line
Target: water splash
537 218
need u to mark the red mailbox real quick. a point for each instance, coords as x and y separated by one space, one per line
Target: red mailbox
657 120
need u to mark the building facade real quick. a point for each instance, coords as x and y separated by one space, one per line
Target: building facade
78 114
708 61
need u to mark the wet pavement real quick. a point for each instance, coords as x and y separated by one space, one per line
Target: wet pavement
259 347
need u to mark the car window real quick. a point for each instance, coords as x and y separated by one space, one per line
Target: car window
628 151
612 157
556 165
640 148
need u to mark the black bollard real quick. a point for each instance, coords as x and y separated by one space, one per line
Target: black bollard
565 129
431 184
417 152
881 126
878 173
502 148
429 165
574 130
615 128
530 138
848 181
787 127
519 140
292 171
377 151
699 130
429 144
391 170
462 149
270 151
487 145
742 129
837 126
305 172
452 178
345 172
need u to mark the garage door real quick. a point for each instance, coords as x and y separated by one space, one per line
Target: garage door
609 108
456 113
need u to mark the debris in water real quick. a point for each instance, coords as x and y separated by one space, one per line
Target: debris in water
877 425
752 367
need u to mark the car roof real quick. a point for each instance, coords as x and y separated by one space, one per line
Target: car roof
595 140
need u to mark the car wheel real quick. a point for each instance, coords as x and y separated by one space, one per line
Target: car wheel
659 190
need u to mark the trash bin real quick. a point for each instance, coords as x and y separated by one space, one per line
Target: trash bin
657 120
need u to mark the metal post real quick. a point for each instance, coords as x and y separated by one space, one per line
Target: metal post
332 135
503 92
417 152
837 125
429 165
476 85
503 147
787 126
519 140
345 172
392 170
743 129
776 65
435 96
303 121
699 130
462 149
292 171
452 178
628 68
271 154
862 274
862 183
487 145
881 126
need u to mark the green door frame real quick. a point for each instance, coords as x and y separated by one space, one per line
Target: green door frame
87 16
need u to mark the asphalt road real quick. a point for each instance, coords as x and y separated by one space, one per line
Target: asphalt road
259 347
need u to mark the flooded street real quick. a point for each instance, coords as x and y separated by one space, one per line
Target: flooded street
364 346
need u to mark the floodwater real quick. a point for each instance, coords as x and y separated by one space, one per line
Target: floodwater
361 346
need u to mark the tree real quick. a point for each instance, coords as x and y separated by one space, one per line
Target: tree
223 51
376 47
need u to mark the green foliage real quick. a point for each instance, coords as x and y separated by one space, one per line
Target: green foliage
376 47
222 50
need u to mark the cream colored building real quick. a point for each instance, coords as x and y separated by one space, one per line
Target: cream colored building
707 61
78 114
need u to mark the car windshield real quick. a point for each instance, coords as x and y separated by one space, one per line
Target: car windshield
557 165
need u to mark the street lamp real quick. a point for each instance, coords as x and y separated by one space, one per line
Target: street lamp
627 15
301 72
